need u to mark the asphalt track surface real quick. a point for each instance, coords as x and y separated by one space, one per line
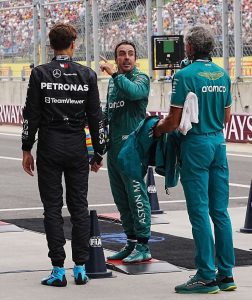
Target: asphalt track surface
20 197
23 254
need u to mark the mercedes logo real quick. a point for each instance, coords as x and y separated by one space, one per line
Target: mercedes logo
56 73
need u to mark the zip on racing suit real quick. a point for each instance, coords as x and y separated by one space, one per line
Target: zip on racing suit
62 97
127 100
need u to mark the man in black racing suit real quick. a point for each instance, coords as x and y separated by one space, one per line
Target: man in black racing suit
61 97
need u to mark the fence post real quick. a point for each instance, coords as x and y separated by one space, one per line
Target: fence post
96 36
10 73
87 33
160 29
35 32
237 37
149 34
42 31
225 44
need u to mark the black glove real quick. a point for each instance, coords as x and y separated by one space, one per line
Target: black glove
97 158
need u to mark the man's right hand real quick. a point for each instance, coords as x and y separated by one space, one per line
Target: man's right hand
95 167
106 66
96 162
28 163
157 129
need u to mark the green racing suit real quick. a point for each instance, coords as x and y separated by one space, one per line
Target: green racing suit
127 99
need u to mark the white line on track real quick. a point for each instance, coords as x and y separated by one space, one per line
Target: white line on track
41 208
240 185
183 201
228 153
10 158
105 169
239 155
102 205
10 134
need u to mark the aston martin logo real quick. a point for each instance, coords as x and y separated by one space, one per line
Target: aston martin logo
56 73
211 75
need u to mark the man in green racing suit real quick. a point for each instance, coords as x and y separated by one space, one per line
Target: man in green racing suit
127 99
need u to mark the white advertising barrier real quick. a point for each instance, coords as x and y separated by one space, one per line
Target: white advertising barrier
238 130
14 93
11 114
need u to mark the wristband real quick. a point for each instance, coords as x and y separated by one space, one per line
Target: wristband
114 75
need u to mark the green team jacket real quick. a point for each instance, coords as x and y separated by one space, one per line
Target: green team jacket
127 99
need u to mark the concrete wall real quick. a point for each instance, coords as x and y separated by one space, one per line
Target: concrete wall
14 93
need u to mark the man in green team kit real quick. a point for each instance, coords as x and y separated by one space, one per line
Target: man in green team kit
127 100
204 169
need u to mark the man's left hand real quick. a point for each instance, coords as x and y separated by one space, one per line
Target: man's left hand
28 163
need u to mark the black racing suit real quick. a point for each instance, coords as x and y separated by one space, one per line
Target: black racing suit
62 97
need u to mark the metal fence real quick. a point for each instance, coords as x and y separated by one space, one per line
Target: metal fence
246 38
24 25
122 20
16 31
68 12
117 20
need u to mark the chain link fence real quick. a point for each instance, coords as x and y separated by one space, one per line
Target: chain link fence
246 25
16 31
67 12
246 22
122 20
117 20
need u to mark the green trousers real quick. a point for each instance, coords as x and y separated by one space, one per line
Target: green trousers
205 180
131 199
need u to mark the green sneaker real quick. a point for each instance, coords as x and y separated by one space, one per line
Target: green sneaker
139 254
197 285
226 283
124 252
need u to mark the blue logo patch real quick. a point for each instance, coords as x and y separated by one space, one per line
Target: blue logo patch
121 238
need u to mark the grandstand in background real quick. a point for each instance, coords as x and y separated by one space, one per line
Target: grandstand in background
118 19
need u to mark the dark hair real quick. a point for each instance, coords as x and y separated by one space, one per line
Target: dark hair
61 36
125 42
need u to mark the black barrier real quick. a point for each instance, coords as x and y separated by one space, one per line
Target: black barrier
96 266
152 192
248 220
